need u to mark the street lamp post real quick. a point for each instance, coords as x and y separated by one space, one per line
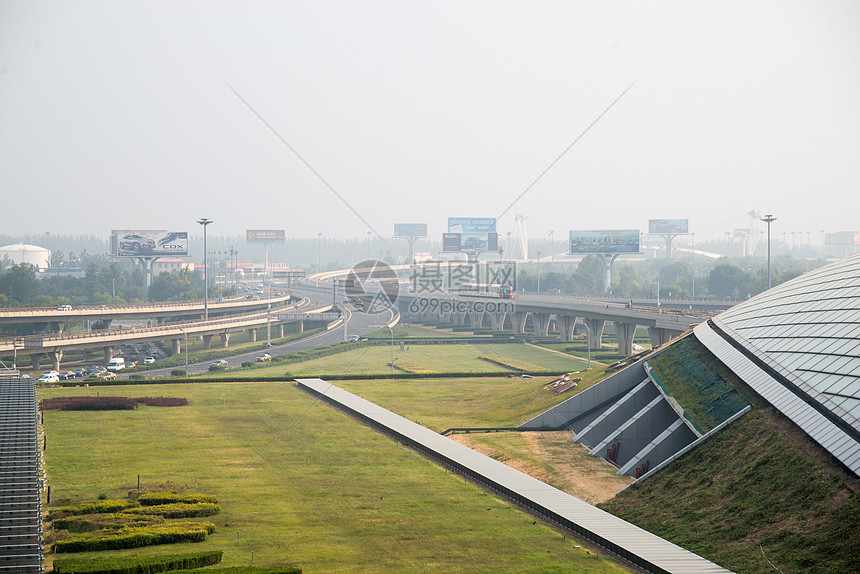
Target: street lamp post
538 273
186 352
205 222
319 252
552 246
770 219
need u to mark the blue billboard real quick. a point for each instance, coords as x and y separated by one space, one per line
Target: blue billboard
476 233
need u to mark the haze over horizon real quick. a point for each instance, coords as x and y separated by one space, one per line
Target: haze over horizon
124 116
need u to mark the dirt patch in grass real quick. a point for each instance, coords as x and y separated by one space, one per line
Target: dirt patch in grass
553 458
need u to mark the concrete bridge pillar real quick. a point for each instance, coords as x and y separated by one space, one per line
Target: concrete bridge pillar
56 327
175 346
595 328
108 354
278 331
159 321
252 335
566 324
476 319
225 339
518 320
659 336
301 327
625 333
497 321
540 323
56 357
207 341
459 318
34 360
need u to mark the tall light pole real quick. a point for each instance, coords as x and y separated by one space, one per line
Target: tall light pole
538 262
768 218
551 246
368 244
319 252
186 352
204 222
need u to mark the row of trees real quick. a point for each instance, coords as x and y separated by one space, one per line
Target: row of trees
725 278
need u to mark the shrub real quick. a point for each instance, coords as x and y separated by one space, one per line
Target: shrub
90 507
137 377
181 509
171 497
138 537
89 404
177 372
247 363
137 564
217 368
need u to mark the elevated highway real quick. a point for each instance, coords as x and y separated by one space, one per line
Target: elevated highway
56 344
59 316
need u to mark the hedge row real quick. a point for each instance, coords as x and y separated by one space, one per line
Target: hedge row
137 565
138 537
170 497
180 510
106 522
90 507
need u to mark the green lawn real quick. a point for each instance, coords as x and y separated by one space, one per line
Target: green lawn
301 483
438 358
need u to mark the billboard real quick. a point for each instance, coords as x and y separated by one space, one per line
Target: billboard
668 226
148 243
264 235
451 242
842 238
604 241
410 230
476 233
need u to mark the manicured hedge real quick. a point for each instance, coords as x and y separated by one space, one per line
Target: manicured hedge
138 537
170 497
90 507
137 565
89 404
180 510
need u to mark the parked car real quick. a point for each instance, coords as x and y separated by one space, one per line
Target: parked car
353 339
66 375
80 372
51 373
263 357
107 376
96 370
47 378
148 360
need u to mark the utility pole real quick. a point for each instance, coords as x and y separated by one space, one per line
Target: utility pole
204 222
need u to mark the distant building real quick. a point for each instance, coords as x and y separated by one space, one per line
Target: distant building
171 264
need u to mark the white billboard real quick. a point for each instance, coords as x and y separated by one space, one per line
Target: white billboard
149 243
605 241
668 226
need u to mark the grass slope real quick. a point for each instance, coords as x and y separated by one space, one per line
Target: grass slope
756 493
299 483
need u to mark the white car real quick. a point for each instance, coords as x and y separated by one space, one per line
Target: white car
47 378
148 360
51 373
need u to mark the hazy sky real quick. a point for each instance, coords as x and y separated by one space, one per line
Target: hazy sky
118 115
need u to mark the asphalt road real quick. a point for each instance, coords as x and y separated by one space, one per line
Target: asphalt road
357 323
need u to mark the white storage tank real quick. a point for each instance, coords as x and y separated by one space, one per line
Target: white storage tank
24 253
